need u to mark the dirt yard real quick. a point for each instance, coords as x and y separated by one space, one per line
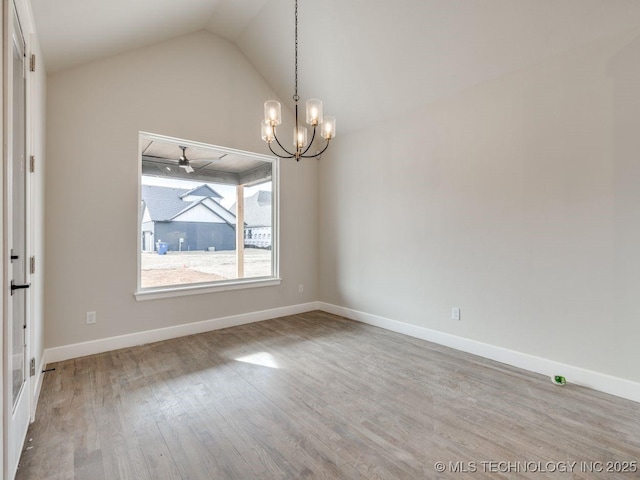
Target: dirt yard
177 268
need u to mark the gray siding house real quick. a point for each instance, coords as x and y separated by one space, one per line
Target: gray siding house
257 219
186 219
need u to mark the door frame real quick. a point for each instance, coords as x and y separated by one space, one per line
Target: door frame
24 18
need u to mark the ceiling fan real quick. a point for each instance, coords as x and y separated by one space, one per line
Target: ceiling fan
183 161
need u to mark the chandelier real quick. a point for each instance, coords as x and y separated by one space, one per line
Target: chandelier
273 118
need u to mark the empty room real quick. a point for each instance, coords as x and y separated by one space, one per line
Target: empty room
337 239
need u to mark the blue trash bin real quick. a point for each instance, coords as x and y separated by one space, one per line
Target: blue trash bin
162 248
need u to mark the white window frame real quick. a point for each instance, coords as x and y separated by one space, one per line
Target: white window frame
222 285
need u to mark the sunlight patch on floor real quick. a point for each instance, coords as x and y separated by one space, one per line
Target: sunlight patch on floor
263 359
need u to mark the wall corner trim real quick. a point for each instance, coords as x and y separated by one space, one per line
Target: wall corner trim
39 378
67 352
576 375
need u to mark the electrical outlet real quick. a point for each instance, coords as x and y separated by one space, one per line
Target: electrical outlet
300 288
455 313
91 318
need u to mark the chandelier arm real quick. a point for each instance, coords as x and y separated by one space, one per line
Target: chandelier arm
312 138
278 155
289 154
319 153
280 145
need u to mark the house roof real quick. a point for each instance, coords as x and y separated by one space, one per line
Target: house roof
257 209
202 191
163 202
166 203
211 205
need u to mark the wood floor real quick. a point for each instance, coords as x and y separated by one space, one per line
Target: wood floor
315 396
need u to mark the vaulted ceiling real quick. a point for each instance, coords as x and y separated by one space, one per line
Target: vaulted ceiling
369 60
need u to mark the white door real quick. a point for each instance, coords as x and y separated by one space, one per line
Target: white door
147 242
16 348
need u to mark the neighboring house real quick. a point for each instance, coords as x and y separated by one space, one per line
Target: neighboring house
186 219
257 218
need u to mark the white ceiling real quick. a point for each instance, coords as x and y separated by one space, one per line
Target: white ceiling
73 32
367 59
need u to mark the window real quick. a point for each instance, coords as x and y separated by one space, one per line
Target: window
207 218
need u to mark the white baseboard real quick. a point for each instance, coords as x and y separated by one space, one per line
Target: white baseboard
66 352
576 375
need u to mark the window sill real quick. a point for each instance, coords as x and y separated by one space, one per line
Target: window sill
181 291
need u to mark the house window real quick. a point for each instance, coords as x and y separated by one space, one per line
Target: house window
200 209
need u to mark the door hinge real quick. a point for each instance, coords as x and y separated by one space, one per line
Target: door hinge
33 366
32 265
32 164
32 63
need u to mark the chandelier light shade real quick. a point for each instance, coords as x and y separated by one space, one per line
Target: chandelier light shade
267 132
328 128
272 113
299 137
301 143
314 111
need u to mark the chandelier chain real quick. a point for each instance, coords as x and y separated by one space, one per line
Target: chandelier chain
296 97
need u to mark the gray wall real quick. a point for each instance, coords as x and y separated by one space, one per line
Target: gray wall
517 200
94 115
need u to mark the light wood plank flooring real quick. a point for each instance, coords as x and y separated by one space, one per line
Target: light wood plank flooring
314 396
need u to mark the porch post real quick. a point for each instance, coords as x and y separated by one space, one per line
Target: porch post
240 230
